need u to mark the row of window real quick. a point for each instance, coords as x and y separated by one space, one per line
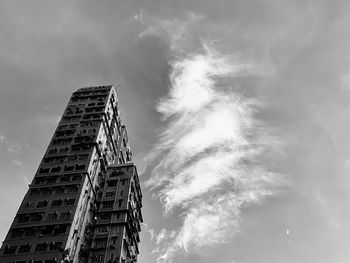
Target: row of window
92 116
35 261
45 203
108 216
28 247
113 183
65 158
37 217
54 180
64 133
66 168
95 108
73 111
66 119
99 99
62 141
84 139
56 151
110 204
66 126
92 91
57 190
102 242
112 194
34 231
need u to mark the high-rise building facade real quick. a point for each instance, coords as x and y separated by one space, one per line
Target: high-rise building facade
84 203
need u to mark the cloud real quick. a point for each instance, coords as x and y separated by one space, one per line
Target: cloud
174 31
210 153
13 149
16 162
3 139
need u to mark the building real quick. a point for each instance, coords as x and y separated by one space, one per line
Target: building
84 203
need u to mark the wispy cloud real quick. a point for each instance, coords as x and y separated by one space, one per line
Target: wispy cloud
209 155
13 148
175 31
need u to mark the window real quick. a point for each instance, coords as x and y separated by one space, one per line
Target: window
65 216
56 202
55 245
77 178
52 217
44 170
104 217
83 156
120 202
56 169
34 192
69 168
60 229
97 258
42 204
23 218
41 247
109 194
29 205
24 249
80 166
36 217
53 151
64 150
46 230
30 232
69 201
10 250
99 243
40 180
52 180
16 233
121 193
72 158
111 183
65 179
59 190
116 173
103 229
73 189
108 204
46 192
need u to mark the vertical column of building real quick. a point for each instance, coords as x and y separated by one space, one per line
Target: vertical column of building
116 233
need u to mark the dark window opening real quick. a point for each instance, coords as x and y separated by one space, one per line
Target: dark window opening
41 247
56 202
42 204
108 204
60 229
24 248
10 250
111 183
69 201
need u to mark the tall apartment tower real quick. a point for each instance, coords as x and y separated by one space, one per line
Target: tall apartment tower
84 203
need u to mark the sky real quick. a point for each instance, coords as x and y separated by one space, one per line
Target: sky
237 113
